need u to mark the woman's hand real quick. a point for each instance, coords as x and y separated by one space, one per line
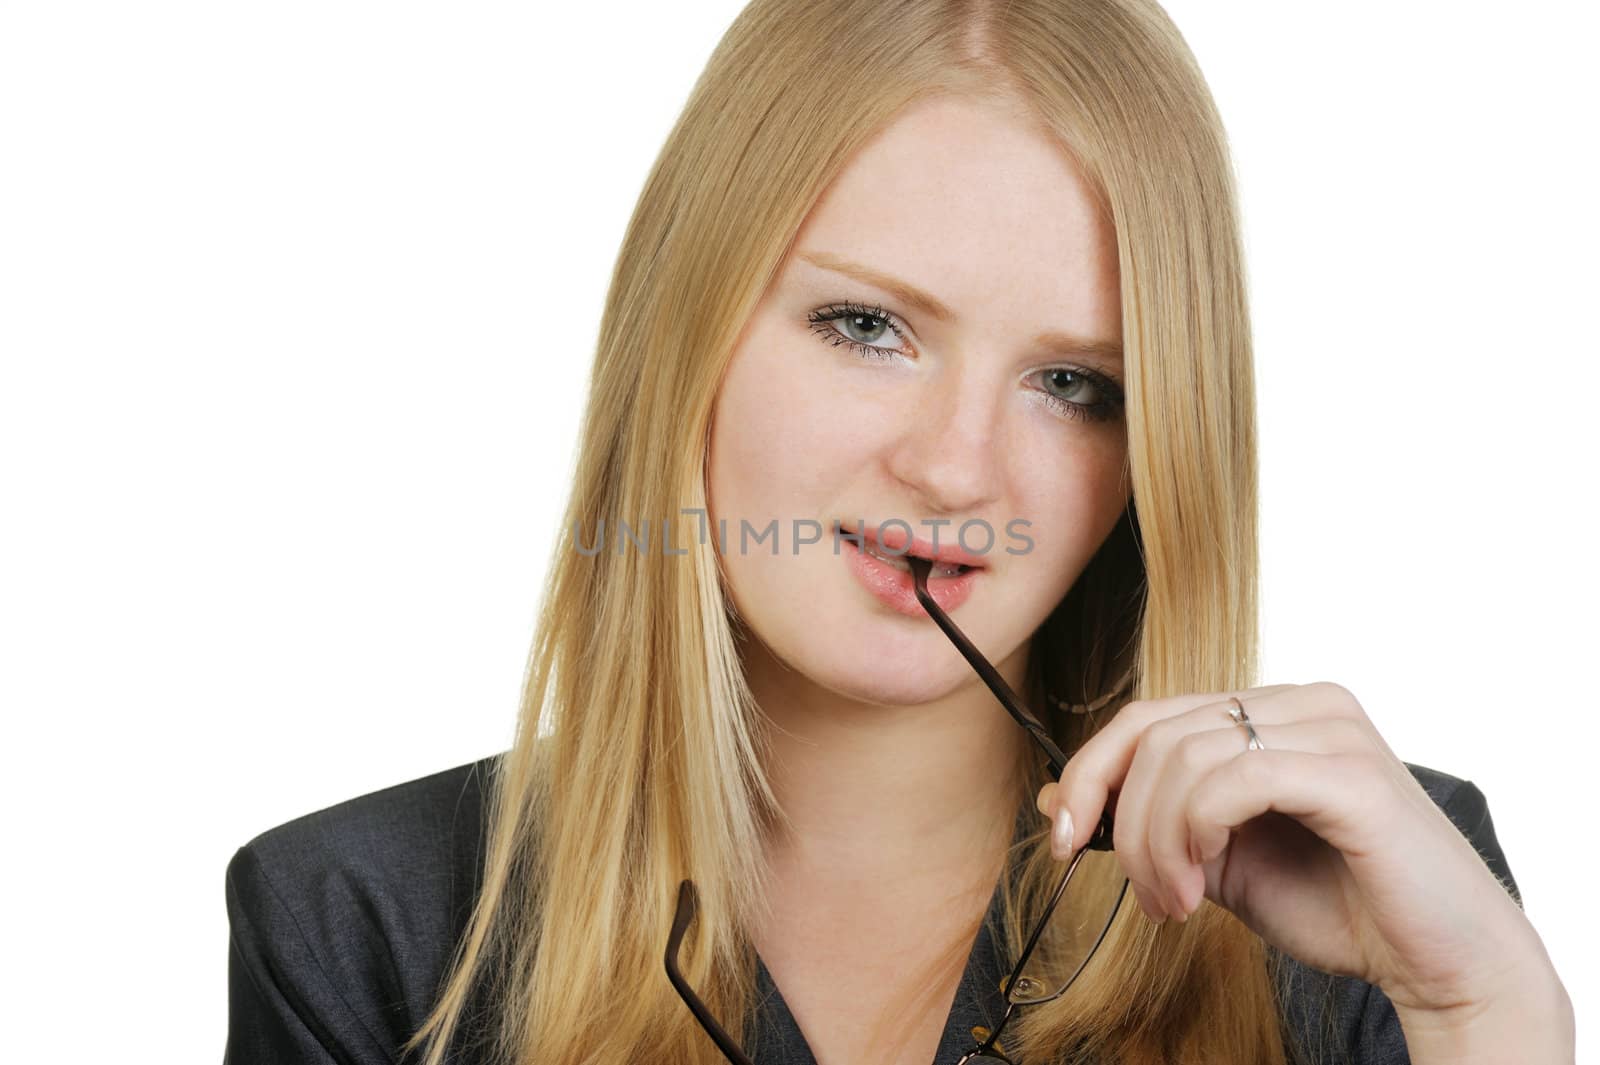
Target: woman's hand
1323 843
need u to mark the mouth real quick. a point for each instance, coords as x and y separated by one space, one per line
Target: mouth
898 569
945 561
902 561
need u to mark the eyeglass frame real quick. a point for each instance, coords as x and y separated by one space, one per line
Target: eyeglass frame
1100 840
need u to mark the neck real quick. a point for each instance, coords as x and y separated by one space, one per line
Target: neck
878 794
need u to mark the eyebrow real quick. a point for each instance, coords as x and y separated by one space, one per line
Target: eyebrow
1058 341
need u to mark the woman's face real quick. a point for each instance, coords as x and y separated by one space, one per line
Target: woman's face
941 344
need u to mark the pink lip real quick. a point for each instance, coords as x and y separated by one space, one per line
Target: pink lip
898 541
895 589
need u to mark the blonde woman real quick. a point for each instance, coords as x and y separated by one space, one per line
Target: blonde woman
919 467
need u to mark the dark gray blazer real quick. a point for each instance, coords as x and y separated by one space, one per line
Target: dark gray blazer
342 923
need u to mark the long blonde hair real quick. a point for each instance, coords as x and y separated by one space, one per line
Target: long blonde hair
639 758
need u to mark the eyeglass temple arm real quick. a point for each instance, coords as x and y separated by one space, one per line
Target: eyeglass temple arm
920 568
680 924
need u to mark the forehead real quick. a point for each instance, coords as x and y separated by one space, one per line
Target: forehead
967 199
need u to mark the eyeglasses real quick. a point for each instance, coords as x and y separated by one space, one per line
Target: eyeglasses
1073 938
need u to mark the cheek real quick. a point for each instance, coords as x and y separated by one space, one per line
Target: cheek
1074 501
784 437
774 456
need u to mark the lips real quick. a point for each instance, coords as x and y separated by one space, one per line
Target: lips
891 544
940 569
888 578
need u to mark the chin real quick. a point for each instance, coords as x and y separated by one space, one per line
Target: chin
876 690
894 672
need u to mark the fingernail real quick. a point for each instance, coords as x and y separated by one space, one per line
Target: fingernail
1061 835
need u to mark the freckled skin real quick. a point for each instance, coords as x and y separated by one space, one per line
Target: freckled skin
971 205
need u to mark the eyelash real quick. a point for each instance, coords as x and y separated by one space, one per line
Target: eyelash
1104 410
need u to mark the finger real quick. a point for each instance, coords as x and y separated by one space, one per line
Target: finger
1299 702
1149 767
1148 903
1130 838
1335 795
1101 763
1174 852
1046 800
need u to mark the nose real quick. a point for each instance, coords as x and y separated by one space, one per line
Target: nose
948 453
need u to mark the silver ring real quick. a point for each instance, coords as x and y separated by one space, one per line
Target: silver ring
1236 711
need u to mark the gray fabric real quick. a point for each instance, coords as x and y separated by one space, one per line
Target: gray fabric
343 922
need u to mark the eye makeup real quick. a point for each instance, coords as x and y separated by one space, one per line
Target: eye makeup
834 323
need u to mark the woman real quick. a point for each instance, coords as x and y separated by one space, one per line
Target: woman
907 272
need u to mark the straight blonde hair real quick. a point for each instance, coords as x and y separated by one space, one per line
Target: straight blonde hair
640 754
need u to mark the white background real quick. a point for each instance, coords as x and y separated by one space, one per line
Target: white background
297 304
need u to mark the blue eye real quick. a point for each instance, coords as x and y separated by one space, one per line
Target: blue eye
869 322
1064 387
